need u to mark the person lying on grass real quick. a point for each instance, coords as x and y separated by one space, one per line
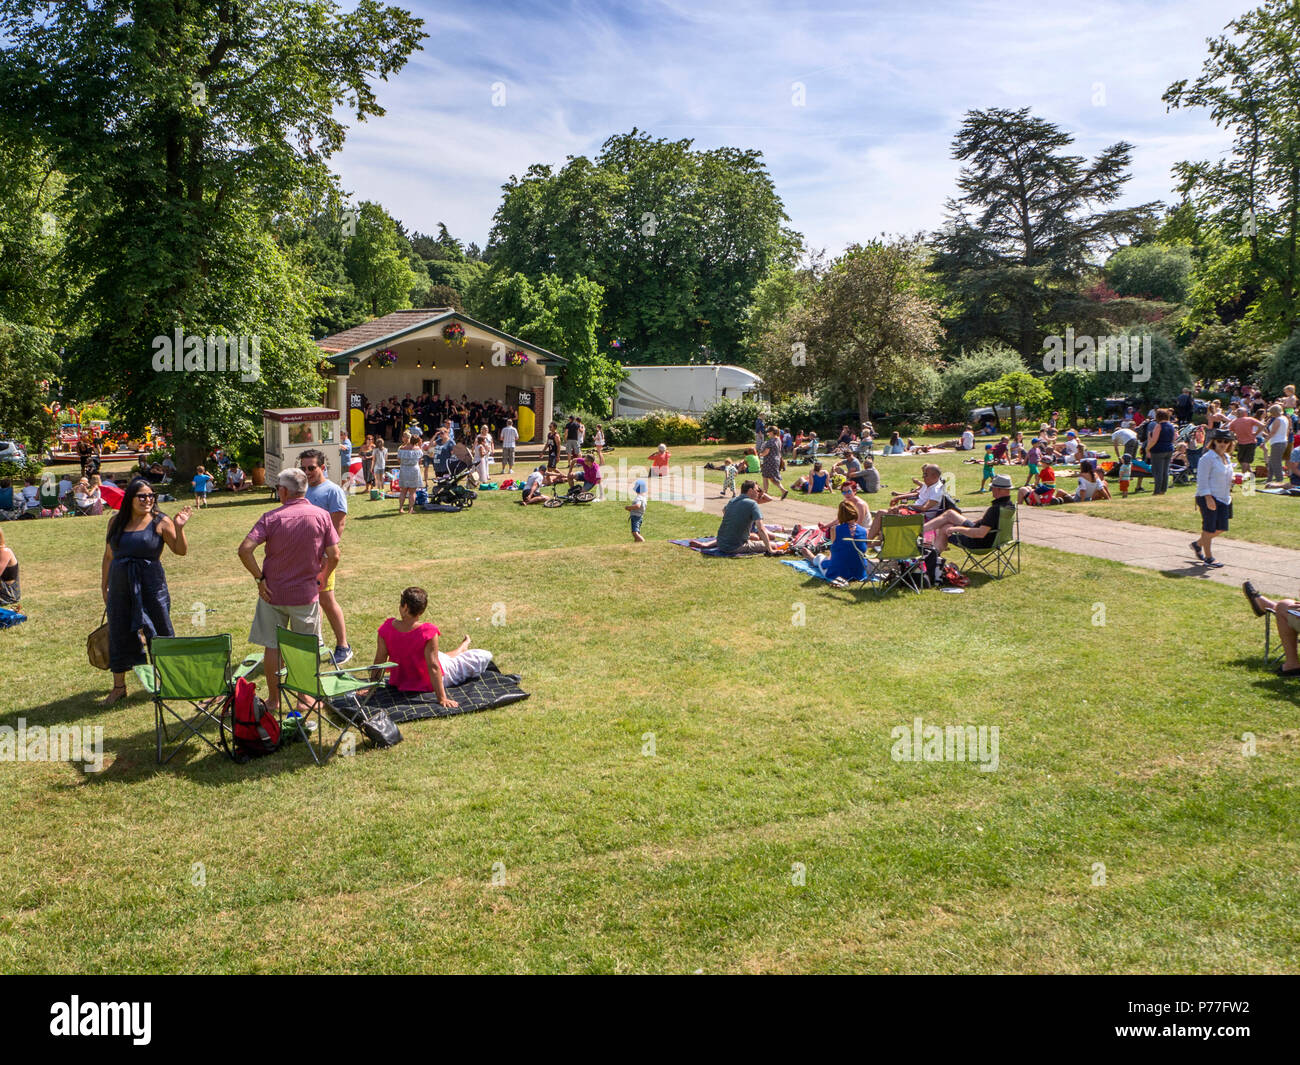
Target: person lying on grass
1286 621
847 560
742 531
1042 495
951 527
413 646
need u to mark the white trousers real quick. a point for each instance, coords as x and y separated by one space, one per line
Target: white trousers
472 663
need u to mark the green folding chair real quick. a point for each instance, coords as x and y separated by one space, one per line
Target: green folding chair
901 561
190 678
301 674
1003 555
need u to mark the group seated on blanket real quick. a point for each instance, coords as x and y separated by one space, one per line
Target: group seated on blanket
951 527
860 472
413 646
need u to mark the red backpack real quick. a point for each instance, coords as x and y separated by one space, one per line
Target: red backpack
256 731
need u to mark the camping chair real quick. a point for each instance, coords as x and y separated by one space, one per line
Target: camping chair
1003 555
190 678
902 554
1274 653
300 673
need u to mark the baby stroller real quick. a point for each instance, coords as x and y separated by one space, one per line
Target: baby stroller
1186 474
447 491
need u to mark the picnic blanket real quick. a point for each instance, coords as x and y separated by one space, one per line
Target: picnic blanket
711 551
1281 491
487 692
809 570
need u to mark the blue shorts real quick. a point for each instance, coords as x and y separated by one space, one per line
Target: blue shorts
636 520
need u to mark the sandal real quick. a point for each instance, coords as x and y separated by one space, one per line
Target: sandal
113 696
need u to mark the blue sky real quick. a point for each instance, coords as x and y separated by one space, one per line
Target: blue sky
885 86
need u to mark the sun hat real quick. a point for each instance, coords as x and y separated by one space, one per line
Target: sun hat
1002 481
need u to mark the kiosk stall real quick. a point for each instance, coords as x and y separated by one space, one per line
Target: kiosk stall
289 431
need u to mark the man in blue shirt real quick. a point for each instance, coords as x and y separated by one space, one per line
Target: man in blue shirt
740 517
324 493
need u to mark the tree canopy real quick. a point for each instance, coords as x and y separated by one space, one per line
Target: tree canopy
185 130
677 237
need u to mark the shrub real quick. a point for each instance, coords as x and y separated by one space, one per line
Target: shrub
733 420
986 363
16 472
657 427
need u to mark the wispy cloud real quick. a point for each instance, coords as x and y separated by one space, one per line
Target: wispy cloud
862 147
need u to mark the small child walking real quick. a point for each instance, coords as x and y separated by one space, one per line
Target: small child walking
728 478
636 510
1125 475
202 485
989 463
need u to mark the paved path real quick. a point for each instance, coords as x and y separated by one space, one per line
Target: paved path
1275 570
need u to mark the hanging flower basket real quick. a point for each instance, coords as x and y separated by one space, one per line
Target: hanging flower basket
453 333
518 358
385 358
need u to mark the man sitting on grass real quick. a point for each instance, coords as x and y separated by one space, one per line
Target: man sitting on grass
1286 621
951 527
742 531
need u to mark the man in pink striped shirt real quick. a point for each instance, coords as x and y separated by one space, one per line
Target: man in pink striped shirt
302 549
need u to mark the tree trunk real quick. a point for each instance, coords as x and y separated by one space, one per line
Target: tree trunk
187 452
865 392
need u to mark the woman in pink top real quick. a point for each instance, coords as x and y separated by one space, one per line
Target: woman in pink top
413 646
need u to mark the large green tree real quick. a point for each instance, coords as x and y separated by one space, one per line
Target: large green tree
560 316
186 128
376 263
1249 200
1031 217
867 328
678 239
31 297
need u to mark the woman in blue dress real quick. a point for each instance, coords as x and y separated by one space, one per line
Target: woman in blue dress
847 561
133 582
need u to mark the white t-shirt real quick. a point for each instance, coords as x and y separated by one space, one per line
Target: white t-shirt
967 440
1282 432
509 436
639 501
930 496
1071 446
1087 488
1123 436
31 495
533 480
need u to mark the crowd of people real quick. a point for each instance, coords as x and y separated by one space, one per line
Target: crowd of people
392 417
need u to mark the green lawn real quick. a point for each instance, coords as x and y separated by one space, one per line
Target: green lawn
1260 518
772 748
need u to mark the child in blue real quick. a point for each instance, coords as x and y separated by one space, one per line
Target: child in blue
636 510
728 479
989 463
202 484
